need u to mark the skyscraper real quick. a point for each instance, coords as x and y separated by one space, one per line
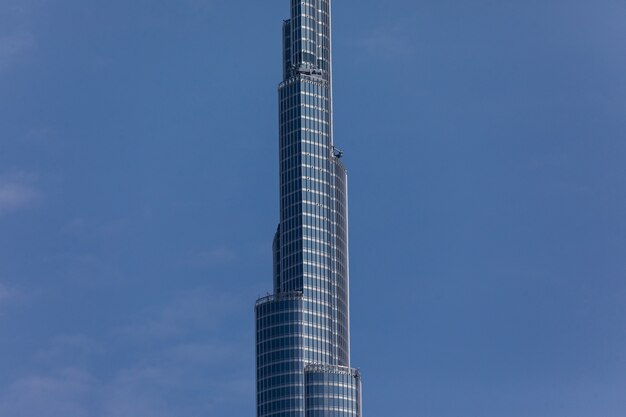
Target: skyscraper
303 329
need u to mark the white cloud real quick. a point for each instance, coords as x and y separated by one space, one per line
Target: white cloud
212 257
67 349
5 292
11 296
184 346
190 312
79 226
173 360
63 395
393 41
13 46
37 136
138 392
18 192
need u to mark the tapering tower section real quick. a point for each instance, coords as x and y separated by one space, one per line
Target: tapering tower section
303 335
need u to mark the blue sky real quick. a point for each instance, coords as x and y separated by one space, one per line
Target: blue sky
486 142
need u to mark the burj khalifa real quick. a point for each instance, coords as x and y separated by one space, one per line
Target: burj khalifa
303 329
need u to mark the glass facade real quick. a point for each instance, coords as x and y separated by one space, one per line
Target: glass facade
303 334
